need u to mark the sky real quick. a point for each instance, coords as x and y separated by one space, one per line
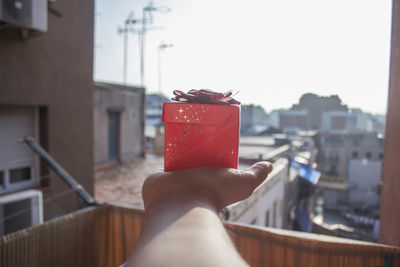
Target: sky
271 51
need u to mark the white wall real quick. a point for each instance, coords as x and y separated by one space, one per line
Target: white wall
364 178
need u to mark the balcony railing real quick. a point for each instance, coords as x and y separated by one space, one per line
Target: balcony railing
105 236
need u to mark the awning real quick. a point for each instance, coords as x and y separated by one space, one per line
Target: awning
306 172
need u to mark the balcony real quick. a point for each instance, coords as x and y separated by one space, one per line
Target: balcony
105 236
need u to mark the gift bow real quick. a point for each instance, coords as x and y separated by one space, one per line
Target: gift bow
205 96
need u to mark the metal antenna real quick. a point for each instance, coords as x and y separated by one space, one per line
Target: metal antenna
147 18
129 20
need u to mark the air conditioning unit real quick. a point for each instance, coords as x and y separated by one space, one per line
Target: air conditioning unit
20 210
24 14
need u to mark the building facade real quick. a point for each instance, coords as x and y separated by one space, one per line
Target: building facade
154 127
253 120
46 92
315 106
294 120
118 123
351 170
338 121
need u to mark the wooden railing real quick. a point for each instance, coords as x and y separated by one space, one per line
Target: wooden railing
105 236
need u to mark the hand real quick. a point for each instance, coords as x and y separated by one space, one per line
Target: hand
219 186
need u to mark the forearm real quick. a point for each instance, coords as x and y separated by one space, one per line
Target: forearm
184 230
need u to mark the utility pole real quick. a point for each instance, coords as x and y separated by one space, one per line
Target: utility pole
161 48
147 18
129 20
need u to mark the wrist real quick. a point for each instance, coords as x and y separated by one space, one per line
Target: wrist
179 196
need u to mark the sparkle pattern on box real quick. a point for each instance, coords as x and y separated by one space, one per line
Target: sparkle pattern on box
192 140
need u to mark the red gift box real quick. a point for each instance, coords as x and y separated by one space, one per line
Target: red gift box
200 135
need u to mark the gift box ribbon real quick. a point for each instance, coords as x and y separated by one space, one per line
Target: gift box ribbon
205 96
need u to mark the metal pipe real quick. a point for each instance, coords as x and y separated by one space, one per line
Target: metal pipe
65 176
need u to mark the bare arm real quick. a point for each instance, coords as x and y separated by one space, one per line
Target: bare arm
182 225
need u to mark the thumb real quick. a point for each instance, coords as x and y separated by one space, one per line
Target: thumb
260 170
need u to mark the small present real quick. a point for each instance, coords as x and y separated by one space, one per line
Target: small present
201 130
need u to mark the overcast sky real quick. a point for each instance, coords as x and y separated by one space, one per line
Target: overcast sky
271 51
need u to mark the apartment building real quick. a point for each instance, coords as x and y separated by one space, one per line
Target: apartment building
46 92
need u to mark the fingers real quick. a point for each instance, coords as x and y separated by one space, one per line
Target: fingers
260 170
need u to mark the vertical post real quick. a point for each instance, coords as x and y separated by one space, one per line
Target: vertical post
125 50
159 70
161 47
125 31
143 110
142 42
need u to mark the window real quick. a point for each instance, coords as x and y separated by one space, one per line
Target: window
20 175
381 156
354 155
333 170
368 155
15 179
267 218
2 185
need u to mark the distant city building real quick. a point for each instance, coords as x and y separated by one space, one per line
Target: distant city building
273 118
284 195
253 120
315 106
367 122
154 128
379 123
294 120
364 121
153 108
365 153
344 160
333 160
326 114
364 185
338 121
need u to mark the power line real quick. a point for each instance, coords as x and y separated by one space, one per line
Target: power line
146 19
15 214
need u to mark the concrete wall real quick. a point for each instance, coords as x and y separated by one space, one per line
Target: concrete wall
390 200
129 101
55 70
